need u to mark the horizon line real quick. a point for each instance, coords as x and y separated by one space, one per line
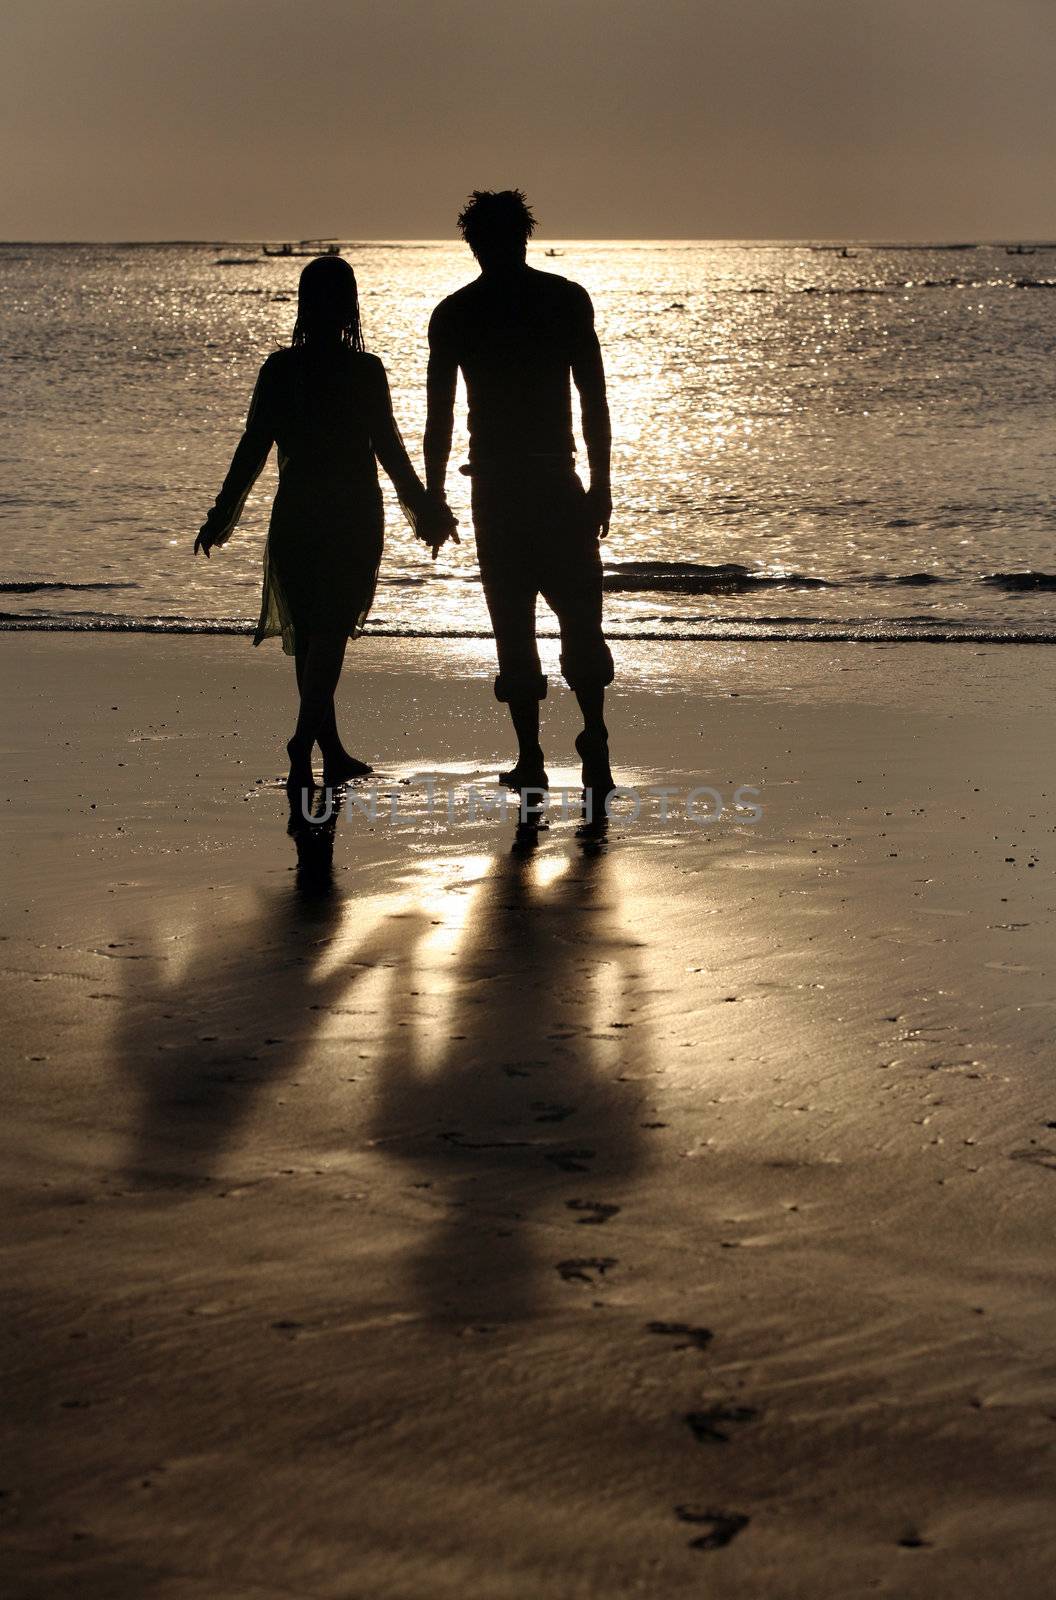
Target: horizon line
350 242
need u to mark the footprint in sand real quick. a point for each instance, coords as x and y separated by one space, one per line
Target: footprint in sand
691 1338
722 1526
551 1113
522 1069
1040 1155
708 1426
460 1142
571 1160
580 1269
596 1211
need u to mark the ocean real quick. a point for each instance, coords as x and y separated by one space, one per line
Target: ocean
809 442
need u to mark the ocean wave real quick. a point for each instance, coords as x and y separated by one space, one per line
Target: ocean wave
898 285
32 586
398 580
730 577
836 630
689 577
631 577
909 580
854 288
1017 582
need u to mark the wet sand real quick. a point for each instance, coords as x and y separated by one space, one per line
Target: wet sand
661 1211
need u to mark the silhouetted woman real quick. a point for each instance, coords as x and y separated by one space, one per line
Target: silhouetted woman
325 402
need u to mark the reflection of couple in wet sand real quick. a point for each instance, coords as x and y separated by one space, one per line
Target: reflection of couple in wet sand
500 1126
520 338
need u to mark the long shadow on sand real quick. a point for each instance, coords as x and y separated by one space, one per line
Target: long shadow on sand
209 1025
515 1109
502 1052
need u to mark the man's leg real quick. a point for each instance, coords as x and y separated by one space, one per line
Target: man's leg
591 699
573 591
524 714
511 595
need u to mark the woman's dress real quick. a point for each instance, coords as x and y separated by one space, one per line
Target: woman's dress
331 418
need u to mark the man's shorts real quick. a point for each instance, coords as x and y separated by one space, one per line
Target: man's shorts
535 537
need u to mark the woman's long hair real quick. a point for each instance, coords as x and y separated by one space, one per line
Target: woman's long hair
328 306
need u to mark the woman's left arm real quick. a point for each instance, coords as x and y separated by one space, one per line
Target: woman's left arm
246 465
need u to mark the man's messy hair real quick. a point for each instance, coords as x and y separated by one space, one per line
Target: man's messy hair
496 217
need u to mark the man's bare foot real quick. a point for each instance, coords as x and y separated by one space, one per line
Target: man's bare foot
593 750
343 768
529 773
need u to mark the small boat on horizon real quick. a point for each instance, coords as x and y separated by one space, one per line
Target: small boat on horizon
314 249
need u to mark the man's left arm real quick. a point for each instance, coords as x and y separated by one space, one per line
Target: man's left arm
588 372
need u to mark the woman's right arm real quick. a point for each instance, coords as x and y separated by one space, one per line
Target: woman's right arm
246 465
427 513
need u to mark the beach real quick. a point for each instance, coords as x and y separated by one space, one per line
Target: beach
651 1210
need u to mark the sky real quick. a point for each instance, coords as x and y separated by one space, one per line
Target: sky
271 119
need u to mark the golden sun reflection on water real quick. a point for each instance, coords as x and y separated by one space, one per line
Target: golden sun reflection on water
865 421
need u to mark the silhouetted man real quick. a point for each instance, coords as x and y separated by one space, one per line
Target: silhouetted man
519 336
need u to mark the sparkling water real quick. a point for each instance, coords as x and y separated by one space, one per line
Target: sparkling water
807 442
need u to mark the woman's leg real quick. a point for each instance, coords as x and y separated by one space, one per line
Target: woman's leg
335 756
318 670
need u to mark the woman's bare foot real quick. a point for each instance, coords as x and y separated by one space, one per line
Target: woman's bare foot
300 775
343 768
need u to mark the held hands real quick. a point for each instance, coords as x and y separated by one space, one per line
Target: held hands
437 524
599 508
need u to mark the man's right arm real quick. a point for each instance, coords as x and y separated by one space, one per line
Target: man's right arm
440 390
